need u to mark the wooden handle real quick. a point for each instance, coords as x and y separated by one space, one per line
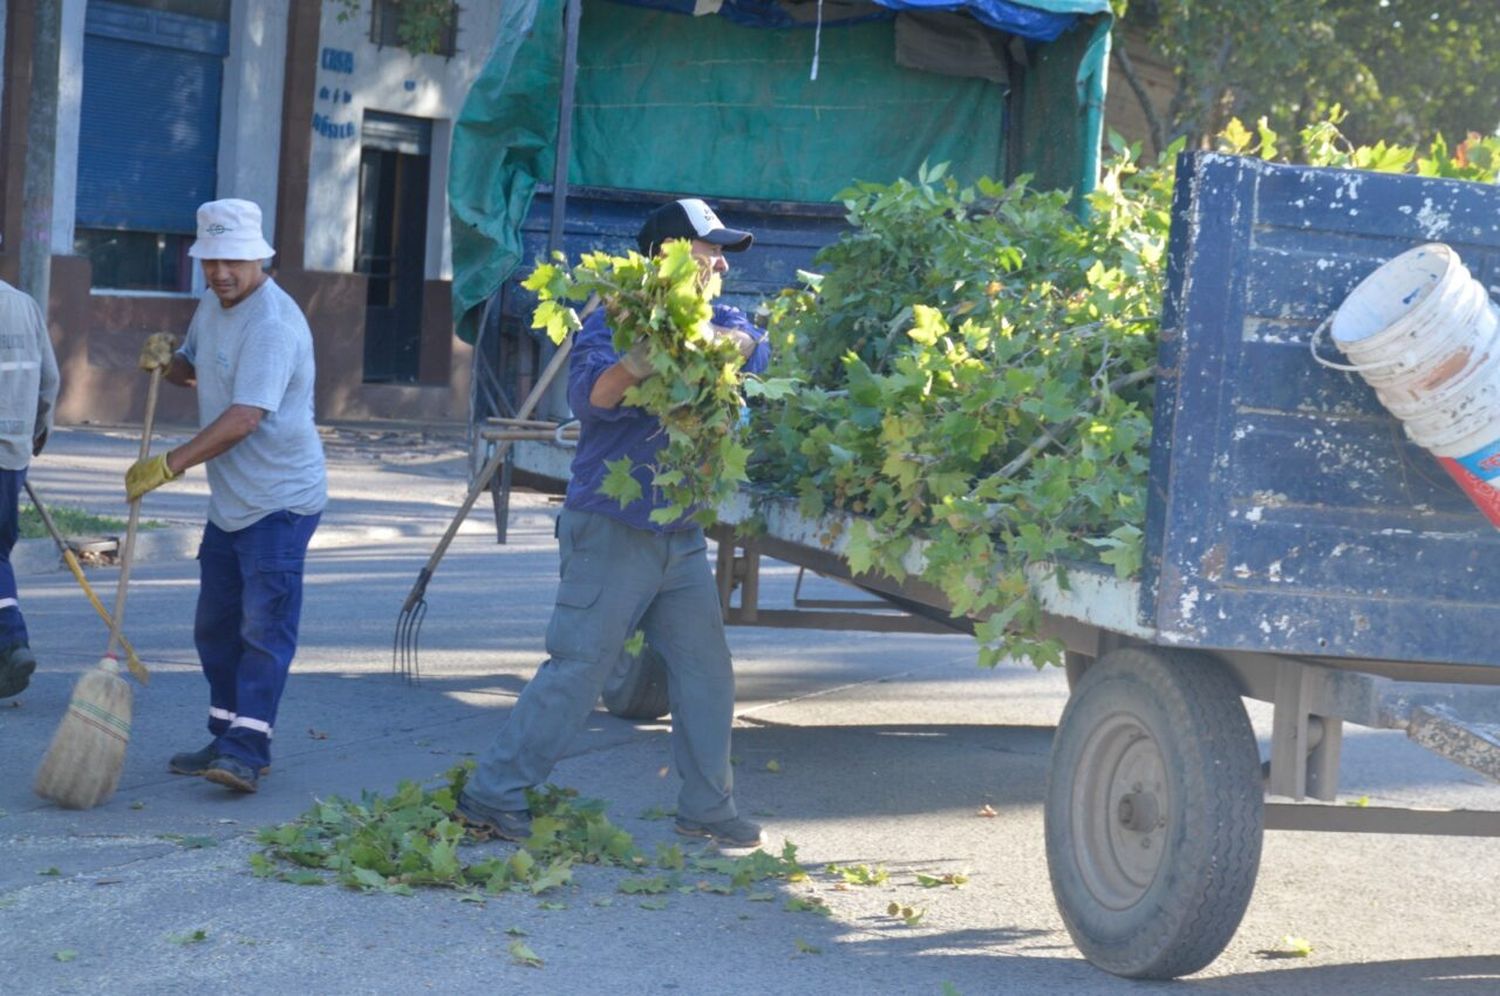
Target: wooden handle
127 550
482 481
131 660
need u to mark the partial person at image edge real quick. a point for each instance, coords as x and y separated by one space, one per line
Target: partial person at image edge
28 395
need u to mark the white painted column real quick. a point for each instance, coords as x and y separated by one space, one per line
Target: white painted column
69 114
251 102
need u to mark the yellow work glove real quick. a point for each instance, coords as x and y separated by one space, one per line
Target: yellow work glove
156 353
147 474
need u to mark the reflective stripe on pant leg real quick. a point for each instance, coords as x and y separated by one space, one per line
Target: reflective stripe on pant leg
216 624
12 623
271 553
610 572
684 624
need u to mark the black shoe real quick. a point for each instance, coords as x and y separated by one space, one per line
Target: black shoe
507 824
196 762
733 832
232 773
16 665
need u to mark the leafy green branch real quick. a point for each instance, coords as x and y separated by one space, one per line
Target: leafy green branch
973 373
696 394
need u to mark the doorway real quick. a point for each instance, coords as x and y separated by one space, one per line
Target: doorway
391 242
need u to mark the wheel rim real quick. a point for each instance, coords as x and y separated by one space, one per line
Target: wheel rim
1120 806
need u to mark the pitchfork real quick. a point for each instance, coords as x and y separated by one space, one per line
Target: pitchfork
414 610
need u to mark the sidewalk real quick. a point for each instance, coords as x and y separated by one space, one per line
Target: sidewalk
383 483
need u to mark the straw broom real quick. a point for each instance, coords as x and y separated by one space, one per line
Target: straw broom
82 766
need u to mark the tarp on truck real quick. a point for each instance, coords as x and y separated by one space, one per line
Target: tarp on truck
713 107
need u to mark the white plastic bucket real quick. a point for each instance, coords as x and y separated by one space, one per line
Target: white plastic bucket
1418 313
1425 334
1443 428
1445 378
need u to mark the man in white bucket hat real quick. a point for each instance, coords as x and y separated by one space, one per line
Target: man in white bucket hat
249 353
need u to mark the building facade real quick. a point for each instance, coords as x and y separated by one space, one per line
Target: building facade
311 108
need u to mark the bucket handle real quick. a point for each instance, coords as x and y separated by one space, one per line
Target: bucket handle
1312 346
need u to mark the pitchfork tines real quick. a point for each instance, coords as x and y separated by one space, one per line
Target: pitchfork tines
409 629
409 622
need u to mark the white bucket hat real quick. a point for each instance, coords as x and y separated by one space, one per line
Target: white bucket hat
230 229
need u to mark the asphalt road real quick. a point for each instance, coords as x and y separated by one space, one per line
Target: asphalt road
887 750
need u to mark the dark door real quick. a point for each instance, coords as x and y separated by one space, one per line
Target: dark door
391 243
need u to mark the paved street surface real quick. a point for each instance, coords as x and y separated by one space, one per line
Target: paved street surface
888 749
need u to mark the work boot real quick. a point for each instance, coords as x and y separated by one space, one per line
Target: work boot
507 824
733 832
232 773
196 762
16 665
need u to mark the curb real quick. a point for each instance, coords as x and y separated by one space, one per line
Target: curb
40 556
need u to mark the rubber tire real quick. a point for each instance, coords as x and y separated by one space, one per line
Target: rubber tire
637 688
1076 665
1176 917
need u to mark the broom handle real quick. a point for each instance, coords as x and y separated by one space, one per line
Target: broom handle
135 517
136 668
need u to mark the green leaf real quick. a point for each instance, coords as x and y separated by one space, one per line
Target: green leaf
521 954
618 482
636 643
195 937
1296 947
954 879
808 904
928 325
303 878
65 954
860 549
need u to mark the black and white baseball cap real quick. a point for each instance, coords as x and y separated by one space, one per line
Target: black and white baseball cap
689 218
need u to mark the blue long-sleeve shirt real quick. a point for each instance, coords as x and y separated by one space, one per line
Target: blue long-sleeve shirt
627 431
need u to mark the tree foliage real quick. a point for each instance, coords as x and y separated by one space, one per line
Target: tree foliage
421 24
976 367
1403 71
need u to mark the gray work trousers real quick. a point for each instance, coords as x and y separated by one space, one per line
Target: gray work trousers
617 579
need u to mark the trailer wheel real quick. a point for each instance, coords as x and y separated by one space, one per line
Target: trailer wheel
1154 813
637 688
1074 666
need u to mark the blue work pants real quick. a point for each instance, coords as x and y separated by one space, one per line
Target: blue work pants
12 626
249 604
615 579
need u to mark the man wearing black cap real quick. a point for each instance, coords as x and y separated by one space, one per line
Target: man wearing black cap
620 572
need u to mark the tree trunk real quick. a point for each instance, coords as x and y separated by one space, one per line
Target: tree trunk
1148 108
41 155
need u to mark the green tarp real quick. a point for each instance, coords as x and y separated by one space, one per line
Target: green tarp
700 105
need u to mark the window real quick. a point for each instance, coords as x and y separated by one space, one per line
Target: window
141 261
426 17
148 146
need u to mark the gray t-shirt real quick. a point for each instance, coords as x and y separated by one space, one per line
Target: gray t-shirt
260 353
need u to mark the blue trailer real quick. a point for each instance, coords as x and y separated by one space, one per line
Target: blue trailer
1299 551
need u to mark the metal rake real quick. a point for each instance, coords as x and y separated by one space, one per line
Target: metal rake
409 623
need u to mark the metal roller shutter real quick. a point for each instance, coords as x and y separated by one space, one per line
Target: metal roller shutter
149 143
